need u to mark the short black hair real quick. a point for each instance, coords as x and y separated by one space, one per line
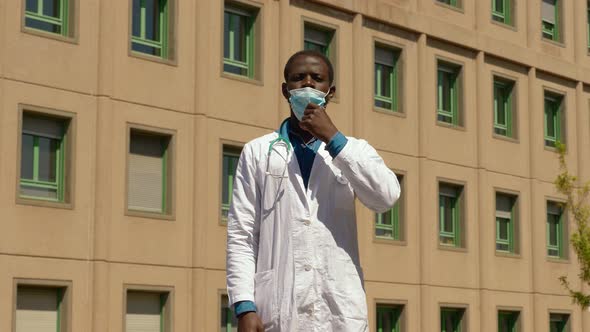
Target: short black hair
314 54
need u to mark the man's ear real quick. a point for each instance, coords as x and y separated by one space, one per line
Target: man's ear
285 90
331 93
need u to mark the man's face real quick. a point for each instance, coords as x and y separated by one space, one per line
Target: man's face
308 71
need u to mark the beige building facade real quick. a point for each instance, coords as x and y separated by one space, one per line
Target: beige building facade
115 219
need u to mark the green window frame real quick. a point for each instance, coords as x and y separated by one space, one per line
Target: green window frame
503 103
388 225
550 19
508 321
553 109
449 215
386 78
239 40
231 157
151 145
505 223
150 27
448 93
389 318
451 319
229 321
318 38
453 3
555 230
43 155
51 16
502 11
559 322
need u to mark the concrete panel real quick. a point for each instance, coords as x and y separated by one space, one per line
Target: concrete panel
139 239
393 261
64 231
164 84
36 58
441 265
452 144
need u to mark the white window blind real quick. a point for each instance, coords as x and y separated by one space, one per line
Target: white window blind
42 126
146 173
548 10
384 56
143 312
37 309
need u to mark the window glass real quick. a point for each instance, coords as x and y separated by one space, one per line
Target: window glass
229 322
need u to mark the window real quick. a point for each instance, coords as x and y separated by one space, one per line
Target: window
229 323
505 223
508 321
503 107
149 172
450 206
559 322
239 34
451 320
448 93
318 38
386 78
389 318
553 119
550 20
147 311
43 157
502 11
53 16
454 3
556 239
41 308
389 225
231 156
151 27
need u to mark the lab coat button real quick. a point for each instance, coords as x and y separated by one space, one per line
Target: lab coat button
310 310
307 267
307 222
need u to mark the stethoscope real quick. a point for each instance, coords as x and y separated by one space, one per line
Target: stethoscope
281 142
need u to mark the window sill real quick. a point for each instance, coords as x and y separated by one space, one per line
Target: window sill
149 215
553 42
552 149
508 255
505 138
444 5
152 58
450 126
451 248
389 112
50 35
242 78
378 240
505 25
44 203
558 260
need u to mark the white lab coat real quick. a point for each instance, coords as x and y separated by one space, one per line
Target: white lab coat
294 252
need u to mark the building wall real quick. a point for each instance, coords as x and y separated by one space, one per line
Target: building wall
94 77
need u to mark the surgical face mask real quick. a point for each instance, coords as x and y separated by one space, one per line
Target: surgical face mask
300 98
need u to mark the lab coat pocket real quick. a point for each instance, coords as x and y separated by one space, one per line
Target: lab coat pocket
265 297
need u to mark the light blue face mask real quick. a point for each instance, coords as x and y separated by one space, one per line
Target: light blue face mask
300 98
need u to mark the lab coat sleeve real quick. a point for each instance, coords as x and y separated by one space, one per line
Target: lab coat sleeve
242 230
373 182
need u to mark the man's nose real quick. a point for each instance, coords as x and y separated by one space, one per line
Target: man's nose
308 82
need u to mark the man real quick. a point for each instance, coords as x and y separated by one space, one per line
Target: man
292 251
